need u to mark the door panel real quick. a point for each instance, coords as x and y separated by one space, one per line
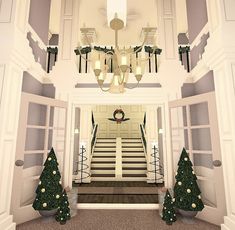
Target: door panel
194 125
41 126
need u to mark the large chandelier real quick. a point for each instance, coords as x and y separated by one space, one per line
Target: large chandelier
123 60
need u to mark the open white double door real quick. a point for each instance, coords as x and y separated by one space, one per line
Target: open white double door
41 126
193 125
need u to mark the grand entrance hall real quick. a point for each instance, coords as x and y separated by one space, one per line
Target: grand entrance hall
117 114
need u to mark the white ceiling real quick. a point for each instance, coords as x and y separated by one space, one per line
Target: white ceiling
140 13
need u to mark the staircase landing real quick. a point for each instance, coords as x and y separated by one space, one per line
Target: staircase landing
119 192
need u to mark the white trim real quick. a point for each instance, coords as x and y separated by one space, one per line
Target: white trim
199 70
36 38
118 206
37 72
197 40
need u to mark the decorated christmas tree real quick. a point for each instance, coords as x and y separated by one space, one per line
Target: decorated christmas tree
186 190
63 213
49 189
168 212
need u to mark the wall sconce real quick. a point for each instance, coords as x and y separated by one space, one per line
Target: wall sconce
160 131
76 131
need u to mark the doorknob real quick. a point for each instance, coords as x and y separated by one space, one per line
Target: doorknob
217 163
19 163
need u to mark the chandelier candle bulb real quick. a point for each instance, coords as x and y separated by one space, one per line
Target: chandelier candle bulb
124 60
138 70
115 82
97 64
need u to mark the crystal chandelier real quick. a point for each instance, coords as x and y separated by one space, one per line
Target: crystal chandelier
124 61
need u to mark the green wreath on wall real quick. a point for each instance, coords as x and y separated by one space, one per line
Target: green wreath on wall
119 116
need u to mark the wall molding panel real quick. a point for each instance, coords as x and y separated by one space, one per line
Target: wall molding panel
6 10
8 134
167 28
68 29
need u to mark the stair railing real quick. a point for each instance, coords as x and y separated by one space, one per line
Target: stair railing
52 53
143 137
93 138
184 52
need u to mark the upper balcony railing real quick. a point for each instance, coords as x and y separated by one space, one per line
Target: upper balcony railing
184 52
85 52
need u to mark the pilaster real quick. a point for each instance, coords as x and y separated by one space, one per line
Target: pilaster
85 139
220 57
16 58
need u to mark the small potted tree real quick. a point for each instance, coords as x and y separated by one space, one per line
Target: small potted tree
186 190
63 213
49 189
168 212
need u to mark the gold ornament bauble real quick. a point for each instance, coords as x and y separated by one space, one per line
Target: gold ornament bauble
194 205
188 190
44 205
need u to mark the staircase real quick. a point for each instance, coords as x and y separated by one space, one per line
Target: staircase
134 167
103 164
104 160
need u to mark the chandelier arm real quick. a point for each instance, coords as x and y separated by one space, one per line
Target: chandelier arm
133 86
86 59
141 46
148 58
104 90
87 40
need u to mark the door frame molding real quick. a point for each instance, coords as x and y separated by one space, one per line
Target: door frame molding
157 97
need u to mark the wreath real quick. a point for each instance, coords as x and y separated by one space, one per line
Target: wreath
116 117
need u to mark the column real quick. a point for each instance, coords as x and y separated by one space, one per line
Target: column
85 139
16 58
220 57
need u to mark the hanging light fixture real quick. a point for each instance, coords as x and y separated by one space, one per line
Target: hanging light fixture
124 61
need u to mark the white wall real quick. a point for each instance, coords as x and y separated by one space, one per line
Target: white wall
130 128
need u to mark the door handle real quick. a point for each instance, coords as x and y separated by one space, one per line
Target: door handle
217 163
19 163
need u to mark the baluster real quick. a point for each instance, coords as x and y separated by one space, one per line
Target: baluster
80 63
105 61
56 52
86 61
181 56
187 58
48 61
149 63
155 62
111 61
130 63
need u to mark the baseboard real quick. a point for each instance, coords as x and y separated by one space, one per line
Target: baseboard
7 223
229 223
119 206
